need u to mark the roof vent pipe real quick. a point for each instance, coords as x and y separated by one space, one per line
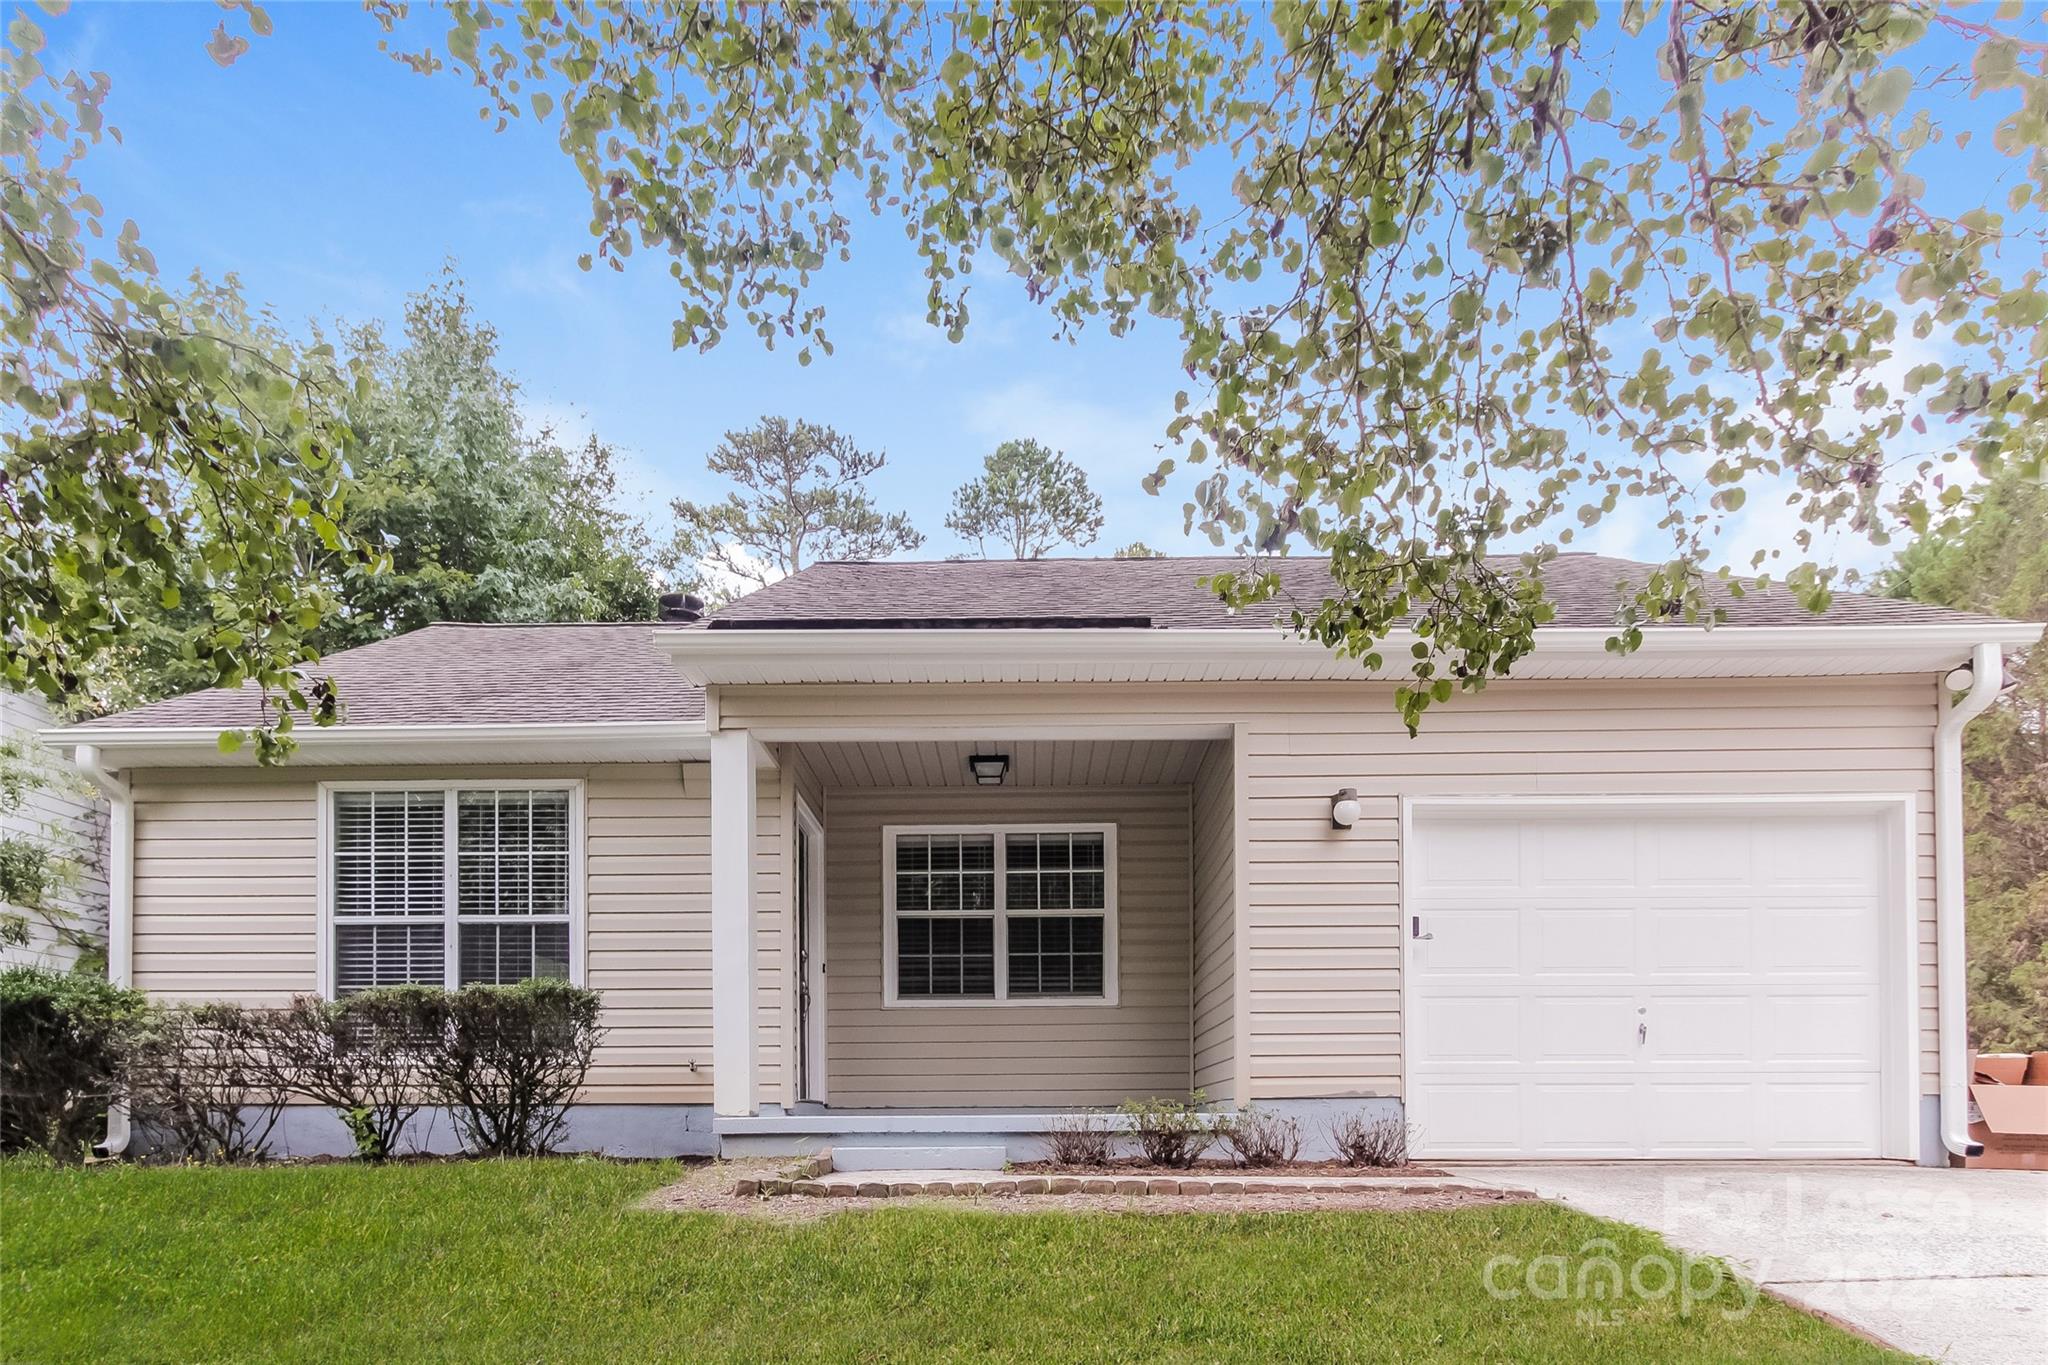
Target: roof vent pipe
681 606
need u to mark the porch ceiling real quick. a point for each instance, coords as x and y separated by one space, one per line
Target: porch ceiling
1033 762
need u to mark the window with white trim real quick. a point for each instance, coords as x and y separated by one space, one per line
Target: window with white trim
1000 914
452 886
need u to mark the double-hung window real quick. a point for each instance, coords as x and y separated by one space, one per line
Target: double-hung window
451 885
1000 914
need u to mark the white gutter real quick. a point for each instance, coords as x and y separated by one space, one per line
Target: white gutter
120 902
1987 678
184 745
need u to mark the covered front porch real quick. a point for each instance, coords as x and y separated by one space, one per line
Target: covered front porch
957 940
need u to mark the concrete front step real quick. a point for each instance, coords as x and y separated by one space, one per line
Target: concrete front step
886 1184
949 1158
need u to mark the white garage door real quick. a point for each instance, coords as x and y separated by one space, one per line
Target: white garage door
1650 983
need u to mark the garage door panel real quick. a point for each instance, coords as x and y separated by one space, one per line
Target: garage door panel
1819 851
1692 940
1583 1029
1648 984
1470 1119
1579 1118
1472 853
1839 1029
1702 853
1701 1028
1700 1118
1582 942
1471 1028
1809 1118
1819 940
1476 940
1565 855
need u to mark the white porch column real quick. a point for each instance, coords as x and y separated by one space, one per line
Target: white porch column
733 1040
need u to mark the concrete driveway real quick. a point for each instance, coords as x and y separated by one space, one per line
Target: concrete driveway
1944 1263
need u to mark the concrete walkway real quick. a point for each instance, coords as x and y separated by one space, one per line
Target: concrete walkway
1949 1264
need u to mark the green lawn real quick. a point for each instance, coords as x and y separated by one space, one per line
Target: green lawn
550 1260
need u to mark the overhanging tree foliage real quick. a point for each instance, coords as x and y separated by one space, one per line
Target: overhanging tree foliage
154 439
1446 275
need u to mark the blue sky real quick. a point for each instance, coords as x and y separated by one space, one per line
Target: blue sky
333 181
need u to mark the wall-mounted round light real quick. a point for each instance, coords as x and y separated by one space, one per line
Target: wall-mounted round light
1344 808
1959 679
988 769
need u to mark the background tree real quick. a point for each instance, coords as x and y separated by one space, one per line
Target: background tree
1481 271
1028 500
1996 561
479 518
801 498
484 519
1138 549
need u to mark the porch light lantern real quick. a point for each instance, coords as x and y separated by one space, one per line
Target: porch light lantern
1344 808
988 769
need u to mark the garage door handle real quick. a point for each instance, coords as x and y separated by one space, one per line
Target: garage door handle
1415 928
1642 1033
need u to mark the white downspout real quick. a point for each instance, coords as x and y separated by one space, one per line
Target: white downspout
120 901
1987 678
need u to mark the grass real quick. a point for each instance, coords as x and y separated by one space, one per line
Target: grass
553 1261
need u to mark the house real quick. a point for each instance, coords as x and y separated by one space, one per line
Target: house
53 811
915 854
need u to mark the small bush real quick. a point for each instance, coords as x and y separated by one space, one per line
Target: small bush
1364 1141
508 1060
1170 1133
1258 1138
64 1039
1079 1140
207 1077
364 1056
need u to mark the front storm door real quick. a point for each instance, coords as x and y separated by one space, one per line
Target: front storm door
810 959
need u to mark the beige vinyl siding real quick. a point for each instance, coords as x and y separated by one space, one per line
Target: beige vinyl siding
1010 1055
225 877
1213 997
1323 912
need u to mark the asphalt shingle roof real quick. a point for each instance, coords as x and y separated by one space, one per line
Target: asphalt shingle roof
456 674
1052 592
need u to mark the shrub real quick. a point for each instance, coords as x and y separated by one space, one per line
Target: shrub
508 1060
1079 1140
1258 1138
208 1077
363 1055
1170 1133
63 1042
1364 1141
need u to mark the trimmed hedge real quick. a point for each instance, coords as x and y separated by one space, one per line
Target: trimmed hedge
509 1060
211 1080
